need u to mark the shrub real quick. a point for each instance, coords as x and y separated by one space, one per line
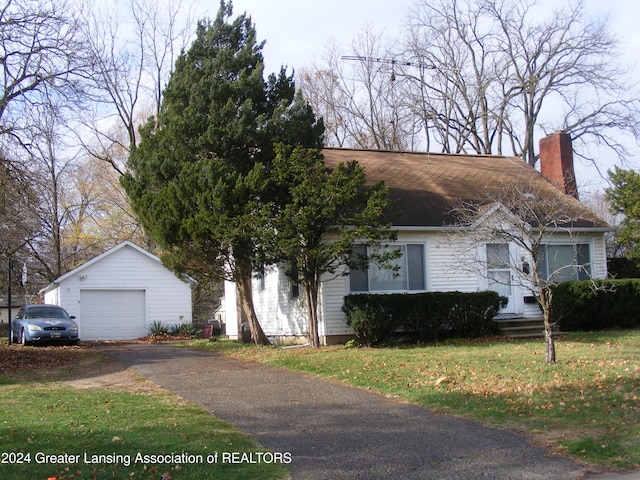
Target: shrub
372 317
423 316
186 330
596 305
622 268
157 329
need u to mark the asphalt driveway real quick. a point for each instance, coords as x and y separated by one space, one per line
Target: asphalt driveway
333 431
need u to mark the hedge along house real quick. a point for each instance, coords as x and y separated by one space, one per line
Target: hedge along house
429 188
116 295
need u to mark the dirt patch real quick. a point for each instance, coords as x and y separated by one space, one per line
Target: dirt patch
109 374
81 367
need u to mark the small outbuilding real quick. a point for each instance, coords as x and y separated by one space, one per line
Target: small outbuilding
118 294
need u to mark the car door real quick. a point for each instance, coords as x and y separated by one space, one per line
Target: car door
16 324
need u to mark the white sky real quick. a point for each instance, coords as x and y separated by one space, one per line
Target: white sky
297 33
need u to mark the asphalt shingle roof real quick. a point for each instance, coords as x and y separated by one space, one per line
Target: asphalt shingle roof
429 187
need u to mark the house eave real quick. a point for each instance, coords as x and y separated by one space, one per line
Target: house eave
48 288
450 228
411 228
581 230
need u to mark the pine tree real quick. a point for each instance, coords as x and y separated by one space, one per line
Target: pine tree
198 179
624 196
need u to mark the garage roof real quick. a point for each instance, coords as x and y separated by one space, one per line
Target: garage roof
125 244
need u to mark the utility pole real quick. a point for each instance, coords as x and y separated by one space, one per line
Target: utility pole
9 298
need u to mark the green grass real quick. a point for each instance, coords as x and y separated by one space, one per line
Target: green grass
41 417
587 405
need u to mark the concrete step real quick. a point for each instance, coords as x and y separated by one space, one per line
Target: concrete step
520 327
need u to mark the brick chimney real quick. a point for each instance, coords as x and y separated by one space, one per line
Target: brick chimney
556 162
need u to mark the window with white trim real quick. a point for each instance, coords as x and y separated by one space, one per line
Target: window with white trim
407 272
564 263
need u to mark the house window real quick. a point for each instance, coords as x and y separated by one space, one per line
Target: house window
407 272
294 285
499 268
261 279
564 263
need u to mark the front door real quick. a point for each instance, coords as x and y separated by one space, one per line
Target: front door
499 274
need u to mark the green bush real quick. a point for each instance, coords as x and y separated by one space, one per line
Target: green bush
596 305
622 268
157 328
372 317
185 330
422 316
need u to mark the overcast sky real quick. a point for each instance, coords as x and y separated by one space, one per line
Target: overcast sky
297 31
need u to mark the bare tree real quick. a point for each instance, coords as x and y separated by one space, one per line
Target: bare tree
483 76
322 89
502 71
18 223
100 215
41 58
562 58
598 203
48 170
359 96
527 216
454 62
133 51
40 53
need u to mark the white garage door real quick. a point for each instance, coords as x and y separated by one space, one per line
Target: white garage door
112 314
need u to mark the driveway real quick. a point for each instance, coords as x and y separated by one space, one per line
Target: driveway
333 431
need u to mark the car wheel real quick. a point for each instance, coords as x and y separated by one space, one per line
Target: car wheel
23 337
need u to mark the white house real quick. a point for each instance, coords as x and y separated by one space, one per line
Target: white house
117 294
428 189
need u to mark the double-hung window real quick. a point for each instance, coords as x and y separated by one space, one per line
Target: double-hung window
564 263
405 273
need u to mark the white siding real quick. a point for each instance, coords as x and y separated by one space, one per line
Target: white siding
599 256
230 309
452 263
331 301
279 314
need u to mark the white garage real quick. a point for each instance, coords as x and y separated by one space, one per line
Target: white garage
116 295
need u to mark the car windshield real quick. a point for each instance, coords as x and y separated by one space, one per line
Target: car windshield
45 312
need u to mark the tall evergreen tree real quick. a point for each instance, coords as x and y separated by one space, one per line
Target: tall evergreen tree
624 195
324 214
198 177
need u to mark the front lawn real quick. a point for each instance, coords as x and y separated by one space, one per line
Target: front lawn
587 405
50 430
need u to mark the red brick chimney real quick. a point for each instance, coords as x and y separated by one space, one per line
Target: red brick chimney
556 162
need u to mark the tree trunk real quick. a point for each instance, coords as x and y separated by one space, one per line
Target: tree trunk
550 344
549 340
311 297
546 298
241 317
243 282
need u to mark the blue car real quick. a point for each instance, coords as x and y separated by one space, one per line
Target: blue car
44 324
